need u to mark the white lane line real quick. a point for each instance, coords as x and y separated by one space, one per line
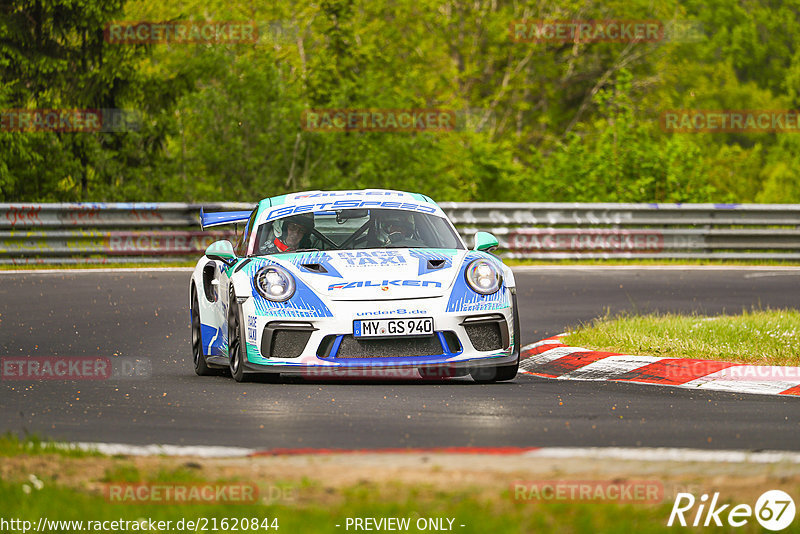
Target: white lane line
608 368
85 271
200 451
665 454
764 275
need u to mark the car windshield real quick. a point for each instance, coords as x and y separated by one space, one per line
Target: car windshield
351 229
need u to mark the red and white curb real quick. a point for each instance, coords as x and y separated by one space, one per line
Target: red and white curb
551 358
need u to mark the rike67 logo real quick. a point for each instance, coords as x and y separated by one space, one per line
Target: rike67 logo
774 510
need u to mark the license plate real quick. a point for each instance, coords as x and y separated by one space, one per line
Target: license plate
418 326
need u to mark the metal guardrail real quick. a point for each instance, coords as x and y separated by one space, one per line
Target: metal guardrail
644 231
108 215
157 232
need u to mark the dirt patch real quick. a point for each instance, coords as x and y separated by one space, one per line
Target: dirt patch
325 478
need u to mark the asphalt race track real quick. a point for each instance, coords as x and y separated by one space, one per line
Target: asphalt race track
144 315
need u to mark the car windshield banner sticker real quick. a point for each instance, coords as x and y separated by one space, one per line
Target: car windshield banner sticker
345 204
352 193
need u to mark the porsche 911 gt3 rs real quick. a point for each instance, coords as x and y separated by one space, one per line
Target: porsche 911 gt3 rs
322 282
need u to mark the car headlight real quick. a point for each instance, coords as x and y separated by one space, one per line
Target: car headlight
483 277
274 283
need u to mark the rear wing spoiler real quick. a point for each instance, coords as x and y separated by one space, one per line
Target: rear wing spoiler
219 218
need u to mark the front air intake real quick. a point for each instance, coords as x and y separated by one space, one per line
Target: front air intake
488 332
407 347
285 339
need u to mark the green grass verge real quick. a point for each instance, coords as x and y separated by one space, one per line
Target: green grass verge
294 506
12 445
763 337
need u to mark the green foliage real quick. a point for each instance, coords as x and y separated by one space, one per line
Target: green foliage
547 121
618 158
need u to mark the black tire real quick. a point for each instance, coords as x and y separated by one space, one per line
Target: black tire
198 358
496 373
507 372
235 348
501 373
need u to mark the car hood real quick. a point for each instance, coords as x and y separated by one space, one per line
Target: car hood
376 274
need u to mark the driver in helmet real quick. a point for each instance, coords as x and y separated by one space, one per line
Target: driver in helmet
397 227
295 228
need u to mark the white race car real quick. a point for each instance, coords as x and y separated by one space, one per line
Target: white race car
323 283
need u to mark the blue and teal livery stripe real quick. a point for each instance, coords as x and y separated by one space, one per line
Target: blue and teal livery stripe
464 298
304 302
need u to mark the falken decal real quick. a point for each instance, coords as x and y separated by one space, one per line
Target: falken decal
385 283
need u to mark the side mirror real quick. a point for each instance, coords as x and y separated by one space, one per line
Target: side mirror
485 241
221 251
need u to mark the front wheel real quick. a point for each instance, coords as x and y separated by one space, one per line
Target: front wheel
497 373
235 346
501 373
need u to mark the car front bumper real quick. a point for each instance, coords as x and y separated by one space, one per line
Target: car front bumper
462 341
